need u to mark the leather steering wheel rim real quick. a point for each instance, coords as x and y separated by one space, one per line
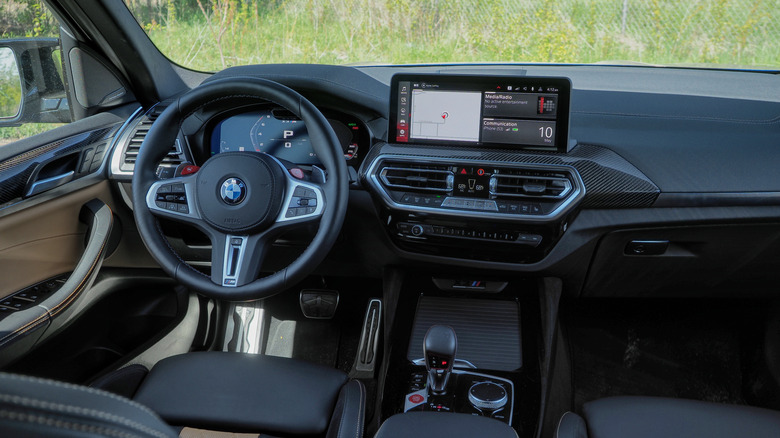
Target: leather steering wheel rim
163 134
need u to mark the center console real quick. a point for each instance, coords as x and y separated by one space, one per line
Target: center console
476 197
471 352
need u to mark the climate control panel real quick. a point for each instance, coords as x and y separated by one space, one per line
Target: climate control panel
493 190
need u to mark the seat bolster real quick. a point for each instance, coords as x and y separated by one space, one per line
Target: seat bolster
243 393
654 417
32 407
347 420
571 425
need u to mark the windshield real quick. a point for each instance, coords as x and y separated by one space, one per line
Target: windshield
210 35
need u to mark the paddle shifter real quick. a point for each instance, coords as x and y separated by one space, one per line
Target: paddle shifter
439 347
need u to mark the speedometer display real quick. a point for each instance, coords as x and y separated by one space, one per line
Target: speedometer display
278 132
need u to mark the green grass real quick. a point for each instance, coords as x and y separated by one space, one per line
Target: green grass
724 32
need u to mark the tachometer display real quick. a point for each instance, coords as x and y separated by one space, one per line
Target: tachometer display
285 138
278 132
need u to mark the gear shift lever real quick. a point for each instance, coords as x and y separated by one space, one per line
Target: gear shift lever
439 347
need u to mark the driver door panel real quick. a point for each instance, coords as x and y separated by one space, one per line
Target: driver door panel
59 235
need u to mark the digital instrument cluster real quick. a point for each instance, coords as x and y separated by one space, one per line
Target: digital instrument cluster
278 132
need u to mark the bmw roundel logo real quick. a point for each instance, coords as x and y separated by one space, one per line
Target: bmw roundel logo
233 191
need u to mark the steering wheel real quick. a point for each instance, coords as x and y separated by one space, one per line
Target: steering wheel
241 200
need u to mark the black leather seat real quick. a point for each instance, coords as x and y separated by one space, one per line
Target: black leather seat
657 417
208 391
450 425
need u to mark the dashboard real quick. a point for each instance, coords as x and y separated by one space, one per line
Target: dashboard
646 170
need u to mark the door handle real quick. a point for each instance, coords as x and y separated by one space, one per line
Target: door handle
49 183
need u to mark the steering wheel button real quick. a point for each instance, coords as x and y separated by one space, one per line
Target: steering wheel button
183 208
310 194
310 210
296 173
170 198
160 204
291 212
299 192
303 202
313 202
177 188
164 189
171 206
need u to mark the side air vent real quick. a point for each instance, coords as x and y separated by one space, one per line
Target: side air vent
519 183
141 129
424 178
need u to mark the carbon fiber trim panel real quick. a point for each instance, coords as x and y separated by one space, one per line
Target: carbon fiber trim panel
15 171
610 181
488 330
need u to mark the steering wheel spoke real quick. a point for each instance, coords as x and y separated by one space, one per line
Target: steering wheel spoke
236 259
175 199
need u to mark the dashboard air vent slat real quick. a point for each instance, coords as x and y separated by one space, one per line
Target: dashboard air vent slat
174 156
424 178
533 184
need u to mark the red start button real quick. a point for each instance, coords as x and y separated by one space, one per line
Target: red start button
416 398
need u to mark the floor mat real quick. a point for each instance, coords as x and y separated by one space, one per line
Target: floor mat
673 349
313 340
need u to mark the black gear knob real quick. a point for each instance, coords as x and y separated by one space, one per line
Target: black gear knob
439 347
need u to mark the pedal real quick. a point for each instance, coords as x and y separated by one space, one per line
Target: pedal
319 303
369 338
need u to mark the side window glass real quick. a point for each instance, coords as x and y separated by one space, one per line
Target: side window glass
33 95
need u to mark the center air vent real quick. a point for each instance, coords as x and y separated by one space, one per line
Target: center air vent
141 129
520 183
424 178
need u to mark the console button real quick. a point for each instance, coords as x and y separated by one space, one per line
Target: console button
406 199
531 239
536 209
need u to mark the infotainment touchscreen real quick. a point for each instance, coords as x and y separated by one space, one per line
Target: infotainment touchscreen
493 111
